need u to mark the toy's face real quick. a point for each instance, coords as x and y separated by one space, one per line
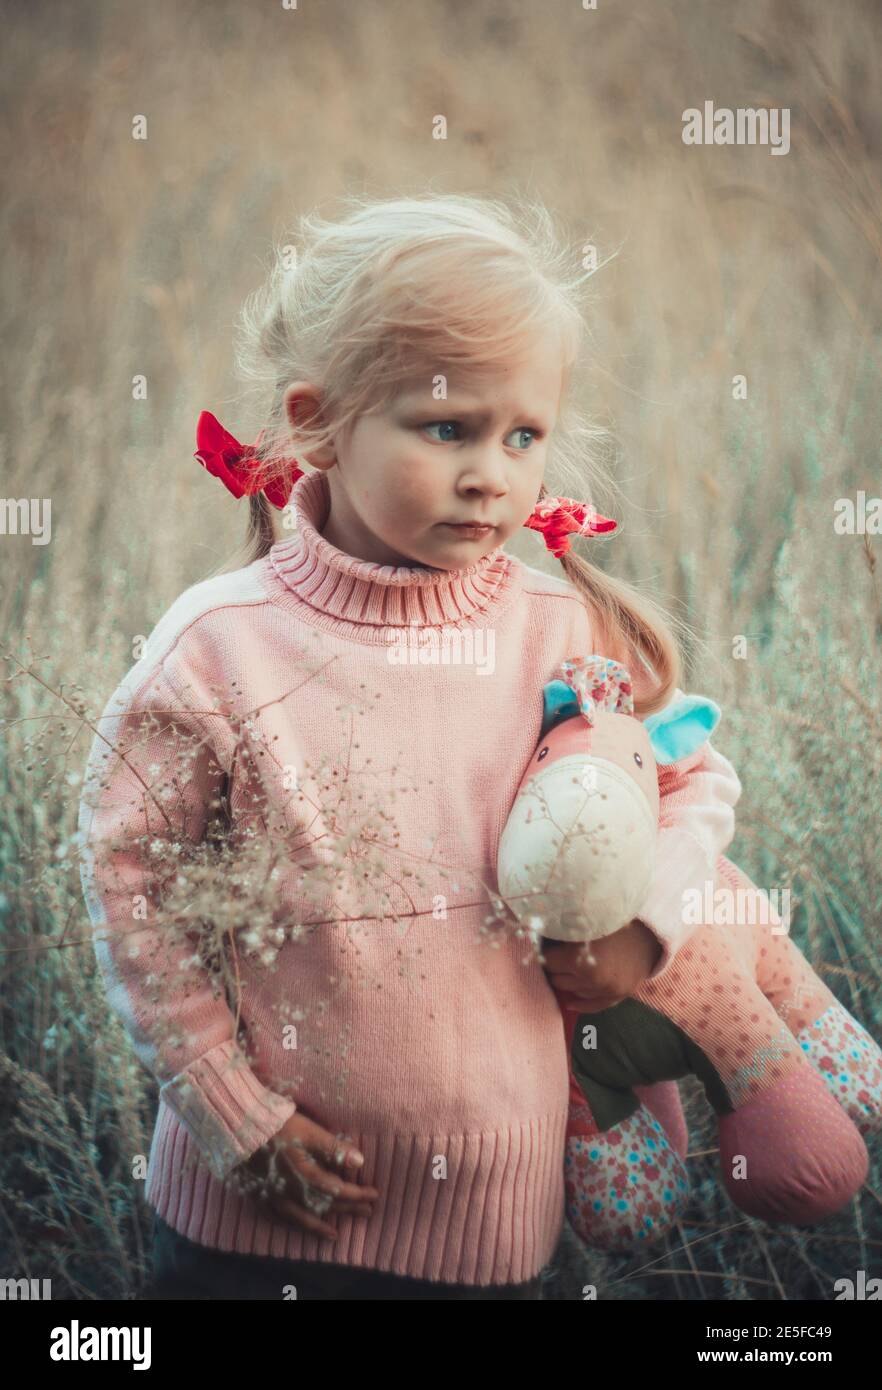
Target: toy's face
614 739
578 850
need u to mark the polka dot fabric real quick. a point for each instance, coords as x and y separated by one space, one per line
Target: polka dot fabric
742 990
792 1154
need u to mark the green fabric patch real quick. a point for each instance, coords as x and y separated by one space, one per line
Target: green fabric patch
637 1046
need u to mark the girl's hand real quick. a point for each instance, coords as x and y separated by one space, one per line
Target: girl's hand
296 1175
621 962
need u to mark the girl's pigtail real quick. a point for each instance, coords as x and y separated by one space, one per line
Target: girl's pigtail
631 629
261 535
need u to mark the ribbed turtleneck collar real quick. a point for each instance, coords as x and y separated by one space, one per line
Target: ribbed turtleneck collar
361 599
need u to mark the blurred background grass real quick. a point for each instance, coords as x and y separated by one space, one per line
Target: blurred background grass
127 257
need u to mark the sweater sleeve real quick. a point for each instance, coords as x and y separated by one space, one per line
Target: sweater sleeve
150 778
697 796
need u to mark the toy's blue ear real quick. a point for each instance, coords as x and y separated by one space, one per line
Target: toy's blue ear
559 702
681 728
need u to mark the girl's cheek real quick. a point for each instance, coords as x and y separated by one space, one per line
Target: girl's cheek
417 484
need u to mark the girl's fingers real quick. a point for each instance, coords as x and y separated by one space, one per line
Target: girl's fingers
331 1151
335 1150
568 984
591 1003
299 1216
287 1171
311 1173
307 1197
569 1000
353 1209
564 955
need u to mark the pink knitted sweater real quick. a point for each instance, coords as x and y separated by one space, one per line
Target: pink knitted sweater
382 755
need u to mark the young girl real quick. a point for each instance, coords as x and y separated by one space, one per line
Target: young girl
375 1105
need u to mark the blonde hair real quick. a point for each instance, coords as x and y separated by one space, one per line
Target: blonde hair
358 303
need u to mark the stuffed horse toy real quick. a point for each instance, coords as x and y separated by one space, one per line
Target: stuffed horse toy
794 1079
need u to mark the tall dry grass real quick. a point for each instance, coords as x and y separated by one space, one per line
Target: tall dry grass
128 257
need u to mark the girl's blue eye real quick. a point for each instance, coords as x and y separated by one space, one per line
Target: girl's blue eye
525 429
440 424
443 424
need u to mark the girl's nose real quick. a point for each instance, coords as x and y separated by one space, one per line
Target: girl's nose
487 472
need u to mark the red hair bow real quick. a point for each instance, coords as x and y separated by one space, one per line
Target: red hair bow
237 465
560 517
239 469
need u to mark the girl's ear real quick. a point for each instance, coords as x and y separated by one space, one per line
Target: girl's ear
559 702
685 725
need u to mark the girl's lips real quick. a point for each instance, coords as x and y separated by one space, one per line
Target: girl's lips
468 528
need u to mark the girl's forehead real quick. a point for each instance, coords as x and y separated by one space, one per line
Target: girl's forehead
515 385
536 353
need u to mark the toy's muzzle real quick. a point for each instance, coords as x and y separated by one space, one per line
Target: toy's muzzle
578 850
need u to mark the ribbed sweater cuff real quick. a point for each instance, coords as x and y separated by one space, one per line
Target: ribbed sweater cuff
681 864
227 1111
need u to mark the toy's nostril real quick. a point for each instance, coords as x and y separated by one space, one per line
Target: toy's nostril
638 760
541 755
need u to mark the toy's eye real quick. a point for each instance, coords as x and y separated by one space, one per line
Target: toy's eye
638 760
541 755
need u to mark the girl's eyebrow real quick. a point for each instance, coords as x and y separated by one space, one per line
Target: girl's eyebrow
447 409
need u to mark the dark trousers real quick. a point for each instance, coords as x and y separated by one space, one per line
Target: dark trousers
185 1270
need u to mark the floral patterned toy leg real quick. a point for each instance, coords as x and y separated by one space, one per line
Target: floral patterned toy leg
627 1185
850 1061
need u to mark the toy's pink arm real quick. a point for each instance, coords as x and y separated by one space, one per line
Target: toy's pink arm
696 825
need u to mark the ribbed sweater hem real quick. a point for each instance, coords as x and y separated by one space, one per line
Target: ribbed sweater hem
491 1220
